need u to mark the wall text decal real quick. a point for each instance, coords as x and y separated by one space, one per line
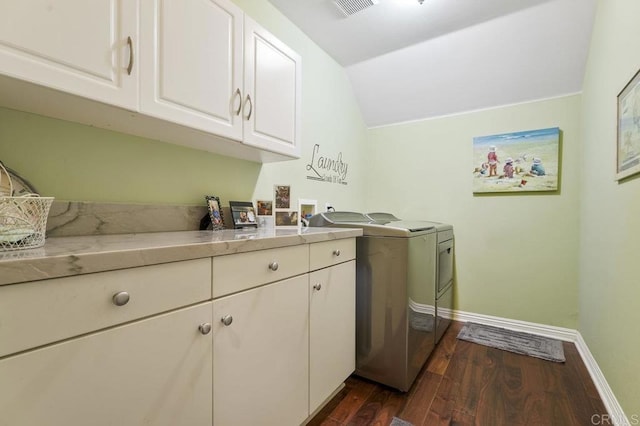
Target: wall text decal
326 169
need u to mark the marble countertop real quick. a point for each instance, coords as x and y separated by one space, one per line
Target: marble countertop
65 256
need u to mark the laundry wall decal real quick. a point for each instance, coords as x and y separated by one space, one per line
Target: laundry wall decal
327 169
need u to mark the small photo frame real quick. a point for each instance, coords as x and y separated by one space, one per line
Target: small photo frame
282 195
288 219
628 137
265 208
243 214
215 212
306 209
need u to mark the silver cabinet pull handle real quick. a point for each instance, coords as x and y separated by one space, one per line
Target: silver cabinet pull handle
317 287
121 298
250 106
130 44
226 320
238 95
205 328
274 266
336 253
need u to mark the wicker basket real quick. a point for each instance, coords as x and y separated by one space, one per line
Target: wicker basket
23 222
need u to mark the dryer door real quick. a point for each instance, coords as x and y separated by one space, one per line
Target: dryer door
445 266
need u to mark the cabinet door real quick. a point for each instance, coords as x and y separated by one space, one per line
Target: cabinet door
272 82
192 64
332 337
152 372
75 46
260 361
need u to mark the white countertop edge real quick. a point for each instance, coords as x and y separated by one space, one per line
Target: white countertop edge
67 256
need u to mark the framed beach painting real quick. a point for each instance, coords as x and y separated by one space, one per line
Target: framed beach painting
517 162
628 140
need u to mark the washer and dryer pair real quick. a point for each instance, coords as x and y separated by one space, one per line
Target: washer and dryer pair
404 292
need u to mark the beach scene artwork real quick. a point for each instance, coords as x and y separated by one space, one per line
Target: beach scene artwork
517 162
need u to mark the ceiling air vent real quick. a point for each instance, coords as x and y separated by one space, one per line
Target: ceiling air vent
349 7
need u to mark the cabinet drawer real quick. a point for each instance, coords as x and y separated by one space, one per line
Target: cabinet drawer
237 272
36 313
330 253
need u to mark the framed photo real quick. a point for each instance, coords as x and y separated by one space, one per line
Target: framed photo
215 212
628 138
282 195
306 209
265 208
243 214
287 219
517 162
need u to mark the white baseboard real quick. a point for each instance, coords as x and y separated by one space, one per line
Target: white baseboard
615 413
560 333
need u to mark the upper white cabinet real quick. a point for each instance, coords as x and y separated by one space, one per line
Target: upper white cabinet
191 54
198 73
272 82
85 48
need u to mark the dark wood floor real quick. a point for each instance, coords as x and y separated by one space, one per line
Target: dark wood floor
468 384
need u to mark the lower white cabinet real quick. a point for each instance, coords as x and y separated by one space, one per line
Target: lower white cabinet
261 350
332 324
150 372
267 350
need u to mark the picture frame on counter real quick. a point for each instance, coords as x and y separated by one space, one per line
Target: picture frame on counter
282 196
215 212
628 132
265 207
243 214
286 219
306 209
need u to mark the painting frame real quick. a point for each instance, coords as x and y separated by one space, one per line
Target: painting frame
215 212
243 214
282 196
264 207
628 129
521 161
306 209
286 219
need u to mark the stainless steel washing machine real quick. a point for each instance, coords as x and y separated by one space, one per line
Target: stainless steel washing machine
396 290
444 270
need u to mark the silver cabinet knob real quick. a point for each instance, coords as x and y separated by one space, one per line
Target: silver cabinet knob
121 298
273 266
317 286
226 320
336 253
205 328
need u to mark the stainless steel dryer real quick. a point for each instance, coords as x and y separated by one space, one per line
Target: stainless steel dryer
396 326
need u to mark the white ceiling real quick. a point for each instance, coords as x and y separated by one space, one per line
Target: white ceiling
409 61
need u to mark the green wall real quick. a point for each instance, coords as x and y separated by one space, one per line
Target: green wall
76 162
610 211
516 255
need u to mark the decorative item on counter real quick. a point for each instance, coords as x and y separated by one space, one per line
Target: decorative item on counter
23 218
306 209
265 208
282 196
286 219
214 218
243 214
